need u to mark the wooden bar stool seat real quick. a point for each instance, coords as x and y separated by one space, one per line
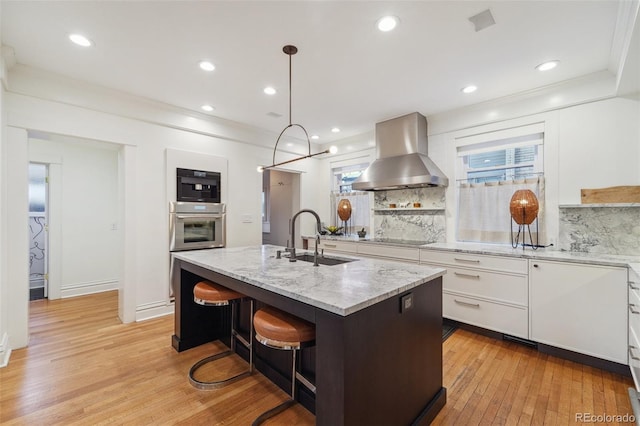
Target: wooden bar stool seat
280 330
207 293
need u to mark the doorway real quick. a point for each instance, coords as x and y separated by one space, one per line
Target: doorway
281 199
38 231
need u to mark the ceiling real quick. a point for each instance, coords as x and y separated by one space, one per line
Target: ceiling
347 74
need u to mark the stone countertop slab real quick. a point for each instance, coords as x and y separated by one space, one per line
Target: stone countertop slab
342 289
540 254
368 240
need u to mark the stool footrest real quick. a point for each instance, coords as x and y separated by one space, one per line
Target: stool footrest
273 412
218 383
306 382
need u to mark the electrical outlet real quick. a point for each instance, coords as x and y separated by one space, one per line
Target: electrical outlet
406 302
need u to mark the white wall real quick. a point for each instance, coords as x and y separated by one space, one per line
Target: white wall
87 207
56 105
599 147
5 348
16 236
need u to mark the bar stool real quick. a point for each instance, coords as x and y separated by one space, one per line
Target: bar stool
207 293
280 330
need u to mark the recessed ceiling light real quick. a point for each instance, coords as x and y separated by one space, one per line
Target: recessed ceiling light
314 137
335 130
80 40
207 108
207 66
546 66
469 89
387 23
333 149
269 90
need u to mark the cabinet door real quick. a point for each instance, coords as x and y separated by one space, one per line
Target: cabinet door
406 254
338 246
580 308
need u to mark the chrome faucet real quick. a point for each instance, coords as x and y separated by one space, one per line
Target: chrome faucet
292 249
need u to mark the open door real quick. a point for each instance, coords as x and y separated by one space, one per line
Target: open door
38 231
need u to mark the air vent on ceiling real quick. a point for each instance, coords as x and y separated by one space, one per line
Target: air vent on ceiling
274 114
482 20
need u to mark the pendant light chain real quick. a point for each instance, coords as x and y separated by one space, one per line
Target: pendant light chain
290 90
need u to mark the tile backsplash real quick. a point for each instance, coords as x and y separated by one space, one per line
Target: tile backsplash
405 222
601 228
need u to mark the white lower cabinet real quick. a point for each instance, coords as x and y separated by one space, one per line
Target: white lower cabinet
500 317
404 254
634 327
581 308
391 252
486 291
337 246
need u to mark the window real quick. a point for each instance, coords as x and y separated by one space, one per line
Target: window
510 159
342 179
344 176
491 168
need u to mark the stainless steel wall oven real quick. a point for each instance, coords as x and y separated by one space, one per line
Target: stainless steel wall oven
196 225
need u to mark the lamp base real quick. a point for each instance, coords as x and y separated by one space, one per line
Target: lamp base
515 240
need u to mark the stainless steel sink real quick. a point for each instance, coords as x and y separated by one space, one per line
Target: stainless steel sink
330 261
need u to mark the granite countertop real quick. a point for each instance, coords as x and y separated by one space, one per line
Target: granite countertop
549 253
342 289
369 240
541 254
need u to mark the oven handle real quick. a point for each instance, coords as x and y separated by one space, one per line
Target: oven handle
199 216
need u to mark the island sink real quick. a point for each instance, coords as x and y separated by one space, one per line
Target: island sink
330 261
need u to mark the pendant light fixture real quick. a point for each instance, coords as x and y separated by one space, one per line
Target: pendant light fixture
290 51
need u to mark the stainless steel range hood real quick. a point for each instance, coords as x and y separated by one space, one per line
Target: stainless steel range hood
401 157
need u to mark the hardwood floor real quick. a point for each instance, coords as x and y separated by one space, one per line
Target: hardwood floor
83 367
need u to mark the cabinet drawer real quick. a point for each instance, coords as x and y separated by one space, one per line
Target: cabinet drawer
634 313
503 287
634 358
634 281
511 320
465 260
393 252
330 245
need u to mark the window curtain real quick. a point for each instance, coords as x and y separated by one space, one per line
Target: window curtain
483 210
360 210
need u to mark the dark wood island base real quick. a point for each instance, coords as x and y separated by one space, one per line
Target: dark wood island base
381 365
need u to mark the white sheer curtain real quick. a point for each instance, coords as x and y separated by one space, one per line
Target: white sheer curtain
360 210
483 210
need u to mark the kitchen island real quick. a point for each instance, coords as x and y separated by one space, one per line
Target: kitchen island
378 352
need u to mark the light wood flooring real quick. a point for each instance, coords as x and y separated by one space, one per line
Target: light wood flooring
84 367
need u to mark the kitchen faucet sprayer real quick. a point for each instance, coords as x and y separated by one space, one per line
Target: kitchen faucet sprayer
292 249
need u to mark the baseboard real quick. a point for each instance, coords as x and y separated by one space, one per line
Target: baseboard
5 350
149 311
611 366
603 364
90 287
